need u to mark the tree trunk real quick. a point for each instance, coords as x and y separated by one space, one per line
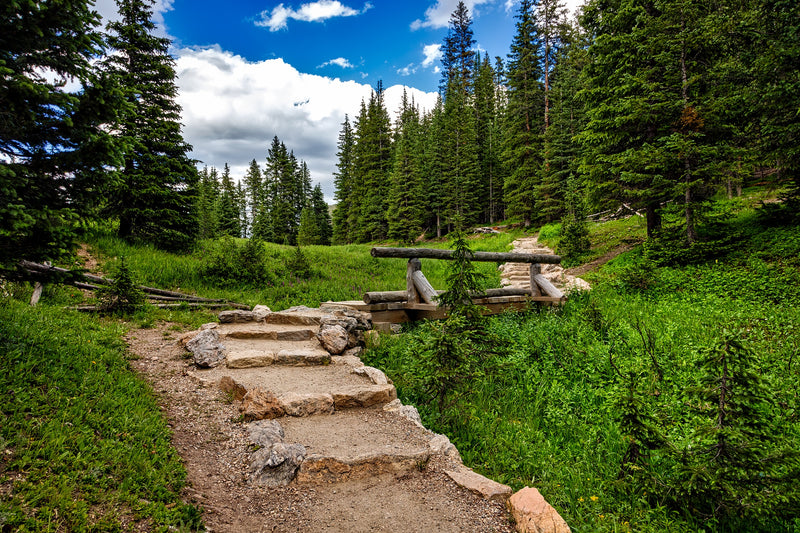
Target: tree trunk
653 220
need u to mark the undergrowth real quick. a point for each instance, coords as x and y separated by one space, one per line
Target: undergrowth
83 444
607 405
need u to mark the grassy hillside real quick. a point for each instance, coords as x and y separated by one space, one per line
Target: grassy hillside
557 403
609 406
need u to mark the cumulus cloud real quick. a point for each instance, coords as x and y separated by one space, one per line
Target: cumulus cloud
438 15
319 11
408 70
432 53
339 61
232 108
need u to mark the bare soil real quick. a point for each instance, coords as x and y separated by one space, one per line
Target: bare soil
212 442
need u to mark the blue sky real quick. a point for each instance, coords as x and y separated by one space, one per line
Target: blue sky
251 70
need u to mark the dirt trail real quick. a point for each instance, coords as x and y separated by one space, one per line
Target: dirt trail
212 441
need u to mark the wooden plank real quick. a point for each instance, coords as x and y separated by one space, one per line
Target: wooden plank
424 287
399 316
491 257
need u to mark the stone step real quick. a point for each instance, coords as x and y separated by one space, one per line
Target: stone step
357 443
296 317
259 352
263 331
310 389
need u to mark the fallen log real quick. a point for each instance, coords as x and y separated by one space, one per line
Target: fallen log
93 308
160 294
491 257
379 297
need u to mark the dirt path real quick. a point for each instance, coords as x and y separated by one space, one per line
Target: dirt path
212 441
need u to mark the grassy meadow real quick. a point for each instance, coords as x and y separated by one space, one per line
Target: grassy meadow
562 403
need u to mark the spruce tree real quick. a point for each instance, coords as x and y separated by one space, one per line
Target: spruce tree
488 139
524 117
254 194
208 201
54 145
229 213
155 198
405 195
343 181
322 215
457 53
373 168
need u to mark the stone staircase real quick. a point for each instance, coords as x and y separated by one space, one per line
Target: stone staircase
315 413
517 275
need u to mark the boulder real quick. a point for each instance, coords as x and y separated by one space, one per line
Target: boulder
260 312
206 348
333 338
228 385
259 404
533 514
236 315
297 404
441 445
265 433
277 465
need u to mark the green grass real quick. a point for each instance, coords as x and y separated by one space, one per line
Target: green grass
338 273
544 413
83 444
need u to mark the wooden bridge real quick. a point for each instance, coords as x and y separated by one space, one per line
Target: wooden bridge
419 300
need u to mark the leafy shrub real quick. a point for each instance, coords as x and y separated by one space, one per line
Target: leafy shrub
550 231
228 263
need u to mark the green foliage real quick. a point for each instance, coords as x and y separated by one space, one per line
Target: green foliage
155 199
54 143
297 264
610 406
123 295
84 444
228 263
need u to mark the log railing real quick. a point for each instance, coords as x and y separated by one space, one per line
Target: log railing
418 289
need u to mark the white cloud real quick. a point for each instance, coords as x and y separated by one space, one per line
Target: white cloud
408 70
339 61
432 53
232 108
438 15
319 11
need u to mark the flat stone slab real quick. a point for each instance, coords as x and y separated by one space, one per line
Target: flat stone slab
267 332
299 317
347 389
253 353
474 482
357 443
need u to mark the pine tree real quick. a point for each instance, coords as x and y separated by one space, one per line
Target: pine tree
405 196
461 179
54 145
155 198
524 117
322 215
374 160
488 138
433 167
254 194
208 201
309 231
650 135
343 181
229 213
457 53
